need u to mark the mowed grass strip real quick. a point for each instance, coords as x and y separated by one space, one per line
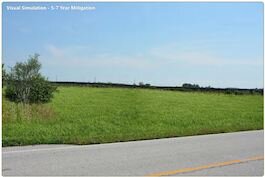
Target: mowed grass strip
84 115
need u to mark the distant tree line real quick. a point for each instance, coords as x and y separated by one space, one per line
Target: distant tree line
185 87
188 85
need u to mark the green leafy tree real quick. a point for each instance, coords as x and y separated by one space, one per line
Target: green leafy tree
25 83
4 75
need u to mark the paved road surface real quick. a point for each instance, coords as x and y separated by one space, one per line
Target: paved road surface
221 154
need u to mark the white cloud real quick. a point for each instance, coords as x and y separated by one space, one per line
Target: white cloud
55 51
81 56
199 56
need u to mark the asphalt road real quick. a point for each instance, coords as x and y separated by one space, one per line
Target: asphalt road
228 154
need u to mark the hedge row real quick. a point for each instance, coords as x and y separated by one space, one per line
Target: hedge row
236 91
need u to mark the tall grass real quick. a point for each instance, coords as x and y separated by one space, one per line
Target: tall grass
18 112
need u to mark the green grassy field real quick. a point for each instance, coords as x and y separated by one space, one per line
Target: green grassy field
83 115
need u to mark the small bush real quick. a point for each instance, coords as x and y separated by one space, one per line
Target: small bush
42 91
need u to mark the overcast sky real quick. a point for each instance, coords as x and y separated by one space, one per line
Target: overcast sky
216 44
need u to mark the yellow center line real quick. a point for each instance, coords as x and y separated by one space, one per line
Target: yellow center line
213 165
